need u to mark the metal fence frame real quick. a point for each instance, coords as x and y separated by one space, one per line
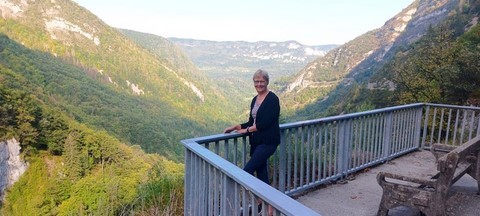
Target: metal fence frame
314 153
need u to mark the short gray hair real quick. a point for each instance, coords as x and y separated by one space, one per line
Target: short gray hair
262 73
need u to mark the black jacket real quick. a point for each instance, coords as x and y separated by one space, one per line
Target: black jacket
268 128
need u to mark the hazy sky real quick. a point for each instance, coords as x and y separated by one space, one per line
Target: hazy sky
310 22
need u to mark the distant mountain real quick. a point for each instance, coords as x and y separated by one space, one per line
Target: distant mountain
328 84
230 56
233 62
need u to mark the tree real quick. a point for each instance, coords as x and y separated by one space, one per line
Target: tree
74 168
424 72
53 132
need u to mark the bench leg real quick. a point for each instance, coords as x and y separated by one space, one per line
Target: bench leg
382 209
438 209
382 212
478 187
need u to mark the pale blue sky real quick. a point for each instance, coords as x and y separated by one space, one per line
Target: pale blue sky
310 22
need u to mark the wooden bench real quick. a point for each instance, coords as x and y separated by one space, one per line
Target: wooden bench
429 195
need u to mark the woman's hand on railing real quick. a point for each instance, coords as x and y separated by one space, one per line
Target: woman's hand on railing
237 128
232 128
228 130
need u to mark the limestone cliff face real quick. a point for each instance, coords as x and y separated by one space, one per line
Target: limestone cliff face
11 165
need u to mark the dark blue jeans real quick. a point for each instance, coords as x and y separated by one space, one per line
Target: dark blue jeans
258 162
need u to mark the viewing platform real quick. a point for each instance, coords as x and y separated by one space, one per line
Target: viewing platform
361 195
328 166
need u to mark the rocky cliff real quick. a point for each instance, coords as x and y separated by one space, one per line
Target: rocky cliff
357 60
11 165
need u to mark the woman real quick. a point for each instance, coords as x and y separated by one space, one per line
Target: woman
262 126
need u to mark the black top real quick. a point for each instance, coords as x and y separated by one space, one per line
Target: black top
267 122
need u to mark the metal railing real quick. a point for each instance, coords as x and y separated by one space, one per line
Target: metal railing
313 153
213 186
448 124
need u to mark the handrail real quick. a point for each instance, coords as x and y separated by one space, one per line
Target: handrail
348 116
452 106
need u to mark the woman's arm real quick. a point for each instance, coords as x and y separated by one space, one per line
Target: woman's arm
242 128
237 128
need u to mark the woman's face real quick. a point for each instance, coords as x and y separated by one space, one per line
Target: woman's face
260 84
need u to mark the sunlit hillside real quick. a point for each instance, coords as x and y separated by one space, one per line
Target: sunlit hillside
108 81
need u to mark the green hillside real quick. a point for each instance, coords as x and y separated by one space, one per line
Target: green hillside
445 73
76 170
174 57
102 78
86 103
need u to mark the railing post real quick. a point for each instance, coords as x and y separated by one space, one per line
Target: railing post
282 162
343 146
204 184
425 125
418 126
196 185
348 144
228 196
187 184
387 138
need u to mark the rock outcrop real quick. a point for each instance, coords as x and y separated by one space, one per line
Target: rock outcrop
11 165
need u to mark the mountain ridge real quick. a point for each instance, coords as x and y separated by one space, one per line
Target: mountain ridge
206 53
356 61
